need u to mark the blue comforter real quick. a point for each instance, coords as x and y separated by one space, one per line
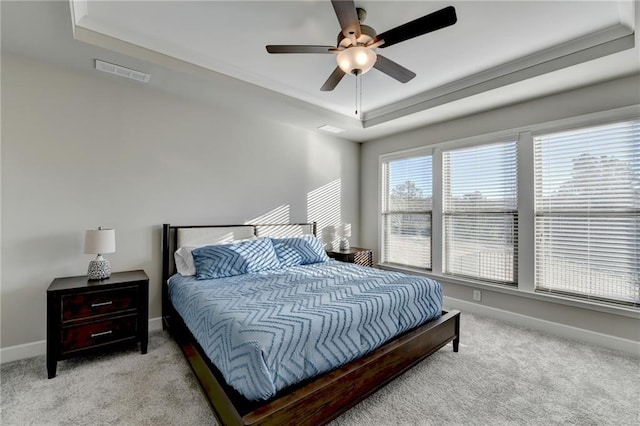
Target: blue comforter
267 330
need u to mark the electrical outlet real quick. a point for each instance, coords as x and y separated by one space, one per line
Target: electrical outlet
477 295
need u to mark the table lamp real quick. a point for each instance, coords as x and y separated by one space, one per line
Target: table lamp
344 232
99 241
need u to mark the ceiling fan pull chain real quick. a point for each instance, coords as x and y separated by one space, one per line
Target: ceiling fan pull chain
359 94
356 95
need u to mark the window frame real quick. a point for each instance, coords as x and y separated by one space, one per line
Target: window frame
599 213
382 195
478 214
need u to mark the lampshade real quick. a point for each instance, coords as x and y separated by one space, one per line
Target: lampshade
99 241
344 230
357 58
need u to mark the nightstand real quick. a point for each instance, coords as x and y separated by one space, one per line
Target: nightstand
357 255
92 316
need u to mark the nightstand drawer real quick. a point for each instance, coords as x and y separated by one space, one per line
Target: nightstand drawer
84 305
98 333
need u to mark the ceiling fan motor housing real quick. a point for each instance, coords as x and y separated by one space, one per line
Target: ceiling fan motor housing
367 34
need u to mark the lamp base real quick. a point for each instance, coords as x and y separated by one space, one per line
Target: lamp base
344 244
99 270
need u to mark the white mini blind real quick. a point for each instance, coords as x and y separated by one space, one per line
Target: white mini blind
480 217
587 189
406 211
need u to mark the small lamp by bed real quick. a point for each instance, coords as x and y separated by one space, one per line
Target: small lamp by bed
344 232
99 241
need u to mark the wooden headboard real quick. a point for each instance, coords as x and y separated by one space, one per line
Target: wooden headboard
174 237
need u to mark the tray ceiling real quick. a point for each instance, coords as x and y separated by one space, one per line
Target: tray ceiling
497 53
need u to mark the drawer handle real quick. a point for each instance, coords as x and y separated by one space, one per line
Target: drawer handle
104 333
94 305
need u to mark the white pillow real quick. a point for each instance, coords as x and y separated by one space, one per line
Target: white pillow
184 259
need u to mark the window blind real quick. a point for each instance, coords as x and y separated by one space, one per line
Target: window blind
587 201
480 217
406 211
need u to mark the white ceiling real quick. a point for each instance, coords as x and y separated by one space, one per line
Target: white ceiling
496 54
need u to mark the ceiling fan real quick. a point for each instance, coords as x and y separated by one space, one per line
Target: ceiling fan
357 43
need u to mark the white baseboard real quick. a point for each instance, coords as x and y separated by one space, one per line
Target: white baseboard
155 324
631 347
29 350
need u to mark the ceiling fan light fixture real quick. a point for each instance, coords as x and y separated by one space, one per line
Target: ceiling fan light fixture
356 60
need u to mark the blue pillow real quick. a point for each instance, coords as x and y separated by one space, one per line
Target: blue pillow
302 250
227 260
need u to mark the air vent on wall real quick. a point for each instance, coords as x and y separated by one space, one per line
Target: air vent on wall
122 71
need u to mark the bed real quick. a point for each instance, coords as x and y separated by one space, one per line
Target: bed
301 392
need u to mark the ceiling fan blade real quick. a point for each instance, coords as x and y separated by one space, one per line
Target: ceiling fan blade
285 48
393 69
428 23
333 80
348 18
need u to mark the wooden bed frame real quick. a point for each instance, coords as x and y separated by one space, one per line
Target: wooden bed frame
317 400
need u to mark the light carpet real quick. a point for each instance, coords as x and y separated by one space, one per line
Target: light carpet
503 375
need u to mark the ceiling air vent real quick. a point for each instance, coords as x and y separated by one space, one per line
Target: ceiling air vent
330 129
122 71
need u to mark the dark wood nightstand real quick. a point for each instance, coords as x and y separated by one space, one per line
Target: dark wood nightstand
357 255
90 316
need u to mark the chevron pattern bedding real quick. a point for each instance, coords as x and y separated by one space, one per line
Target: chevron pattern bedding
299 250
270 329
220 261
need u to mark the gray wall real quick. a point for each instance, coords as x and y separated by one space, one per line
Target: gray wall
81 150
601 97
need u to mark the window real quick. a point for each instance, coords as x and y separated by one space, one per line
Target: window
551 211
406 211
480 217
587 205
